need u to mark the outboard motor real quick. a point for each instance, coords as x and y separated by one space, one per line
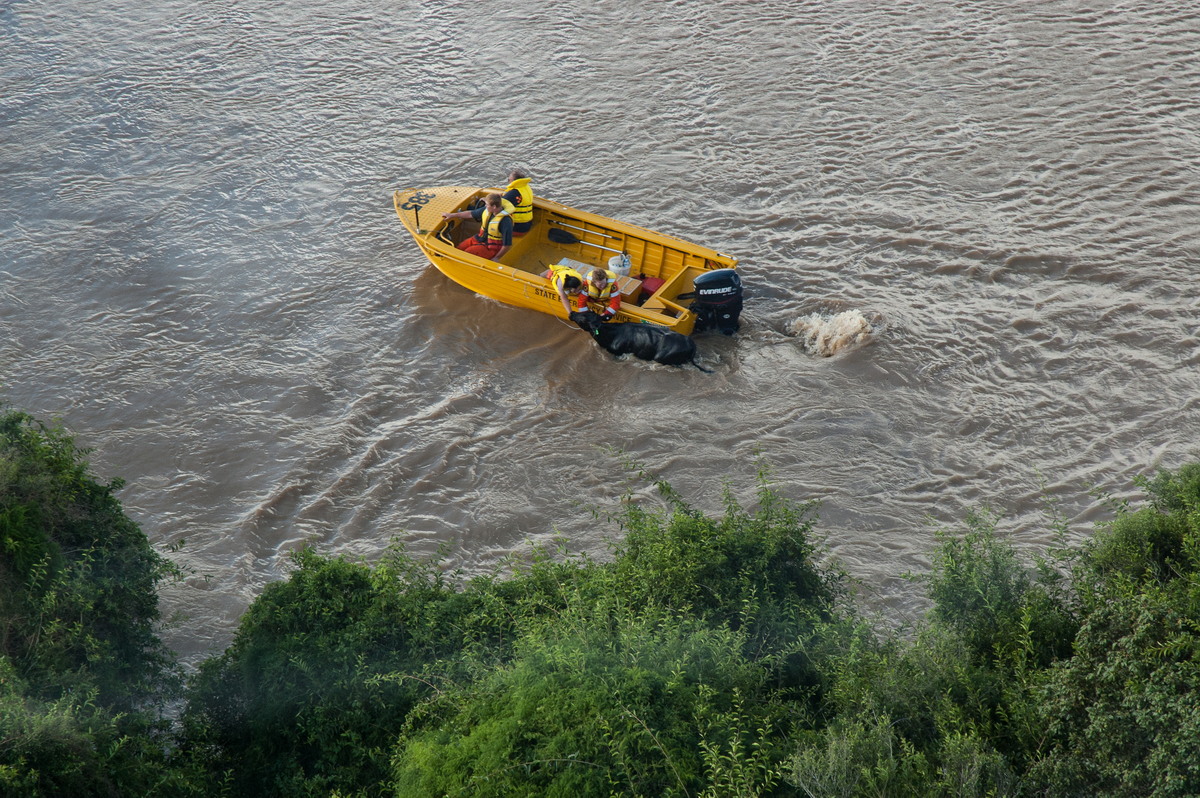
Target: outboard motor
718 302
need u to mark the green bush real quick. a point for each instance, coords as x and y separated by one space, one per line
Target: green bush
861 757
328 666
955 709
1156 542
628 706
681 559
74 746
1122 715
83 676
673 670
981 589
913 719
296 705
78 578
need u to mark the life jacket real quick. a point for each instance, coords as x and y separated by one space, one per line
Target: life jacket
558 273
522 211
489 228
597 294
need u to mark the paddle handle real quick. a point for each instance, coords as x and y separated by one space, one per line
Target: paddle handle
563 237
599 246
583 229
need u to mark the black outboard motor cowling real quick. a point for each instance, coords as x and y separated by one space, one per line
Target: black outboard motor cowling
718 302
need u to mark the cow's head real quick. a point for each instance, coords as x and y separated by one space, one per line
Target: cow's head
588 320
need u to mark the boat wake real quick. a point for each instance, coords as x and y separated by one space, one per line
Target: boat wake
828 335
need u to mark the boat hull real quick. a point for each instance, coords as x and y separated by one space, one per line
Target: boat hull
560 234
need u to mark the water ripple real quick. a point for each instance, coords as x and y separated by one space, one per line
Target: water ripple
202 273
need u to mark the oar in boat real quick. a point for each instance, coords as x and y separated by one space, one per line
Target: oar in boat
563 237
582 229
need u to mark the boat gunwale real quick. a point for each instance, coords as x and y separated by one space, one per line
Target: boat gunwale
588 217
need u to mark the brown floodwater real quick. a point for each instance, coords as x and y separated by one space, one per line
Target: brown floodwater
969 236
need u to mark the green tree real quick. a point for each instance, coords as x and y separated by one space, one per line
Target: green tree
954 709
675 669
1123 713
635 705
326 666
83 674
79 578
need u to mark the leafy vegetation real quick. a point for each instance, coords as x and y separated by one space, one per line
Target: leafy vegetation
705 657
83 674
675 670
1123 712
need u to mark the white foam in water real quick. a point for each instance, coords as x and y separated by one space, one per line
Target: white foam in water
828 335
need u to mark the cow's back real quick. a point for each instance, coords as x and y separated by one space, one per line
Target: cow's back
648 342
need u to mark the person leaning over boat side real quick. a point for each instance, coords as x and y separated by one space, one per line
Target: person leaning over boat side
495 229
568 283
519 194
600 292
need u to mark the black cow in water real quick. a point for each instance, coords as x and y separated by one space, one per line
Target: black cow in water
646 341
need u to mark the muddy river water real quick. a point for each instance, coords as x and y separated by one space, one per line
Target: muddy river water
202 276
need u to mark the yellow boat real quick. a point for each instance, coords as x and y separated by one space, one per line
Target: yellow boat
661 287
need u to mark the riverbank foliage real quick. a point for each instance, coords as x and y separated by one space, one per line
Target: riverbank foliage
704 656
84 678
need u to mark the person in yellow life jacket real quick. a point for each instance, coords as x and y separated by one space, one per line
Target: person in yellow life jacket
600 291
495 229
519 194
567 282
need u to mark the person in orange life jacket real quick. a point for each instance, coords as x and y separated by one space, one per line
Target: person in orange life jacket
601 292
519 195
495 229
568 283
